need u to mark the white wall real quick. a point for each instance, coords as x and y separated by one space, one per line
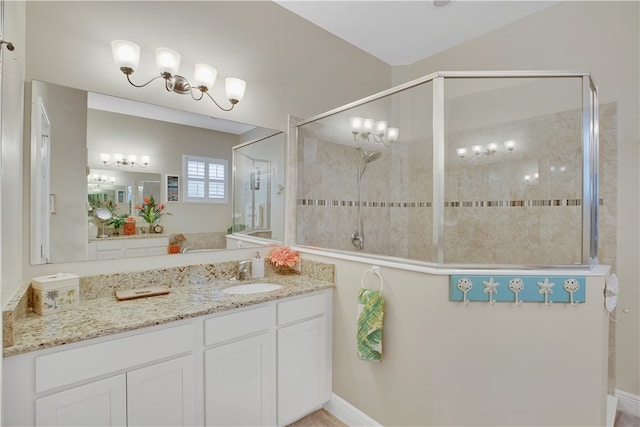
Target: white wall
13 220
444 363
601 37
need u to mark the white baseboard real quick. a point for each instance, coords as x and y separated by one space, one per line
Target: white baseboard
349 414
628 403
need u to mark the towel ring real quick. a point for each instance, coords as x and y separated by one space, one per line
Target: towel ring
375 271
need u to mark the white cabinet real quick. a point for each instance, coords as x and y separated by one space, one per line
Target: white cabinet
139 378
125 247
304 356
162 394
240 383
268 364
101 403
240 368
158 395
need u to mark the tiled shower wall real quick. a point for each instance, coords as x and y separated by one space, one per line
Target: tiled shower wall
492 215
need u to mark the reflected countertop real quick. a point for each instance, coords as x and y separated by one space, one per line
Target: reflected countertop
128 236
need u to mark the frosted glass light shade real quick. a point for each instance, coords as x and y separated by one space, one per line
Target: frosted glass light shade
461 152
117 157
205 76
367 125
235 89
392 134
380 127
145 159
104 157
132 158
356 124
167 60
126 54
477 149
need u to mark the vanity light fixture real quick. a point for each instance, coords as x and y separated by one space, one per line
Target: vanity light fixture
370 129
127 56
102 179
479 151
120 160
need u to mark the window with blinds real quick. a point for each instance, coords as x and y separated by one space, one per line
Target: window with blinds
205 179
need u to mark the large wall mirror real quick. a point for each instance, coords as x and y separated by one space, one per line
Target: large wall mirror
72 131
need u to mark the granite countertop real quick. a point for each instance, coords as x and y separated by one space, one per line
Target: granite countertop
101 314
127 237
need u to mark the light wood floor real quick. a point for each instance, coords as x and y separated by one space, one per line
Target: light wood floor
626 420
320 418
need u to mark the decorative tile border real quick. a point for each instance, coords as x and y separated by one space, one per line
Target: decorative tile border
542 289
451 204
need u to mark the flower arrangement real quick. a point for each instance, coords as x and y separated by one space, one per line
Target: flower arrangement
117 221
149 211
283 258
110 205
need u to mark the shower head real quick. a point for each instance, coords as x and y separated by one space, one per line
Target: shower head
367 158
370 156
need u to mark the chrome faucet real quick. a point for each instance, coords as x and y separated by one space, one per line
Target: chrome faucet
243 270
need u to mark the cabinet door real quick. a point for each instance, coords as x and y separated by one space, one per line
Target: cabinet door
162 394
102 403
302 364
240 383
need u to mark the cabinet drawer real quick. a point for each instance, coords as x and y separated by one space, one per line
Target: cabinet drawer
105 245
301 308
135 252
162 250
237 325
148 242
82 363
110 254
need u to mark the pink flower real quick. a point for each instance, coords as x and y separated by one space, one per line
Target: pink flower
283 256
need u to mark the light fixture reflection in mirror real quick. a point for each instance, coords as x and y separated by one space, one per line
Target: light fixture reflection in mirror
121 160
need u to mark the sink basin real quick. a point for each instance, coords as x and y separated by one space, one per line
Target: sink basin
251 288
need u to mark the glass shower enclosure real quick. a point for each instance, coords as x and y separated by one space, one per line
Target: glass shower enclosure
491 169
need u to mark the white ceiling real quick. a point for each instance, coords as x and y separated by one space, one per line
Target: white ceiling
401 32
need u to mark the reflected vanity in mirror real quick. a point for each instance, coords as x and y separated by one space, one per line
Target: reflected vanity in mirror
71 130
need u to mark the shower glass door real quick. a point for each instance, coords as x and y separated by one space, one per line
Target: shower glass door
513 171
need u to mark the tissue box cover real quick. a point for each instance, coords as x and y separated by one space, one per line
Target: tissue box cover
55 292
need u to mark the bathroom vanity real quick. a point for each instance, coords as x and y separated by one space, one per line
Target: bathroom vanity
127 246
211 359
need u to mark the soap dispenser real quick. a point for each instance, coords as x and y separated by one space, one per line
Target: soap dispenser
257 266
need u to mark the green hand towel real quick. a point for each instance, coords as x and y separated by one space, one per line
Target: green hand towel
370 315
